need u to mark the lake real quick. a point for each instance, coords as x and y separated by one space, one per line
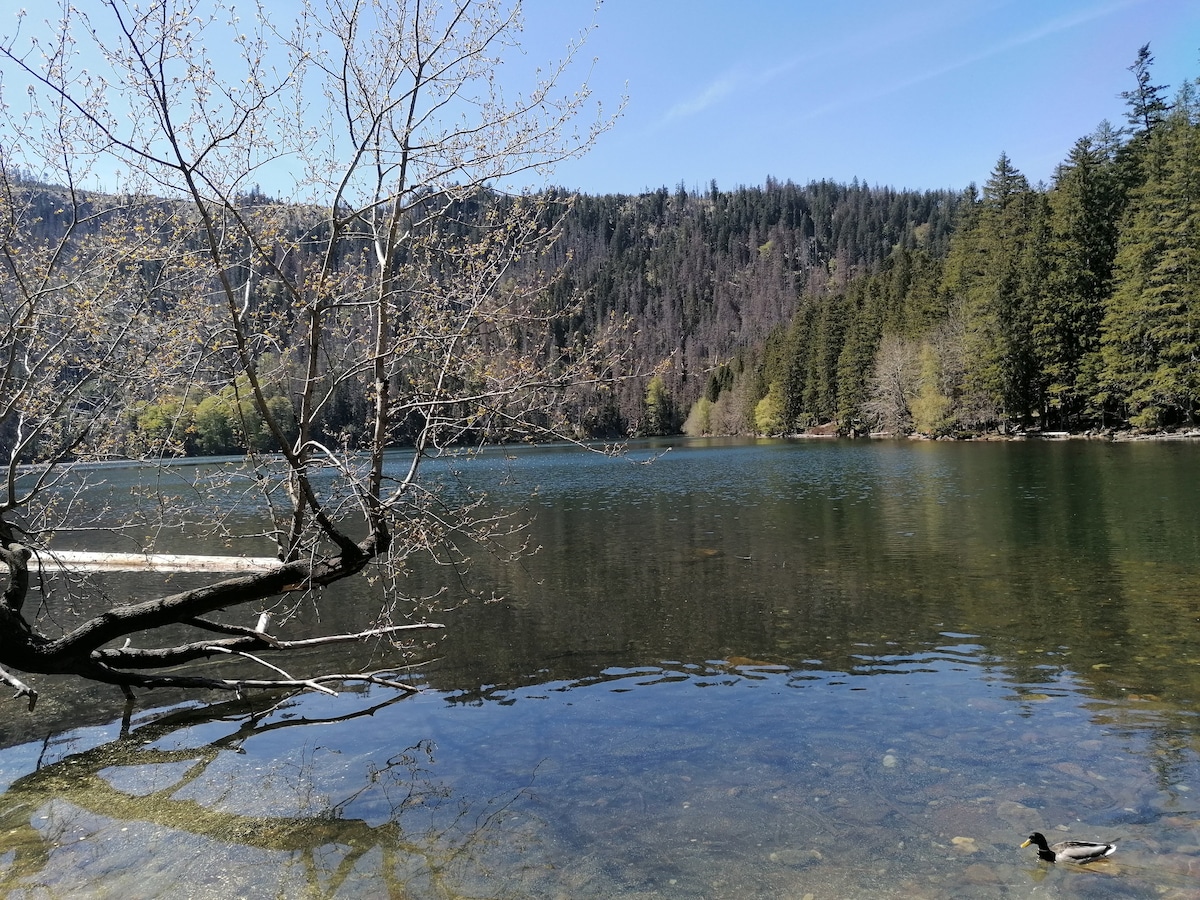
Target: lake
813 669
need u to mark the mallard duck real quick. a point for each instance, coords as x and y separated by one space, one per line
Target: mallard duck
1069 851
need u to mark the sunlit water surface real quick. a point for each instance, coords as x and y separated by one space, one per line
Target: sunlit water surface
768 669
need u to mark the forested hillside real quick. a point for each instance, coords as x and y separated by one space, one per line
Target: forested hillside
696 283
774 309
705 277
1069 306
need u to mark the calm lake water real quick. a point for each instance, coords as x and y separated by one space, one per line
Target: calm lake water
748 669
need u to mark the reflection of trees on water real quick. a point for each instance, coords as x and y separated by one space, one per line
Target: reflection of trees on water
394 826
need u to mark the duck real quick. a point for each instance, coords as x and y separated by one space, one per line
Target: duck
1069 851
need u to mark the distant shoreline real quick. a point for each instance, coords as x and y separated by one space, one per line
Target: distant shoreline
1110 436
1190 434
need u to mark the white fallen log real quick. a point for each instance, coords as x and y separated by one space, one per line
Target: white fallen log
87 561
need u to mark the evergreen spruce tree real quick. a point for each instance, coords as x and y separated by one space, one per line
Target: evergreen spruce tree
1146 104
1146 109
857 354
999 297
1084 204
1151 343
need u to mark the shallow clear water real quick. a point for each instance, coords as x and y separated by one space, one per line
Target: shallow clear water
759 669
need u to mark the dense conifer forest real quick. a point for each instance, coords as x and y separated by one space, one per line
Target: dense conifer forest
851 309
1069 306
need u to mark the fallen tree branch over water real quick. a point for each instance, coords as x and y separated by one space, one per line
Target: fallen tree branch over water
85 561
82 651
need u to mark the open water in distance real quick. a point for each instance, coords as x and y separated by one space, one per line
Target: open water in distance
748 669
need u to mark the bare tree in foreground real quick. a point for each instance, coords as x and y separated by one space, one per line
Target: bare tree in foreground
385 289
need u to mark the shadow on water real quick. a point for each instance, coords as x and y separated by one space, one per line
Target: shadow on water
750 669
171 808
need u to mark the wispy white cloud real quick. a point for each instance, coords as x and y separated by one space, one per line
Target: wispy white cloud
724 86
1046 29
730 83
742 79
738 81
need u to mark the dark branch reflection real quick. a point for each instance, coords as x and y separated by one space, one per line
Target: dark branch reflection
385 829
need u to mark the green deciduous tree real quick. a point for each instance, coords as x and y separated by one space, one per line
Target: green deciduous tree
659 410
932 406
769 417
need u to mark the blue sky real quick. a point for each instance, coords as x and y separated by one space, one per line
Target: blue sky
921 94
